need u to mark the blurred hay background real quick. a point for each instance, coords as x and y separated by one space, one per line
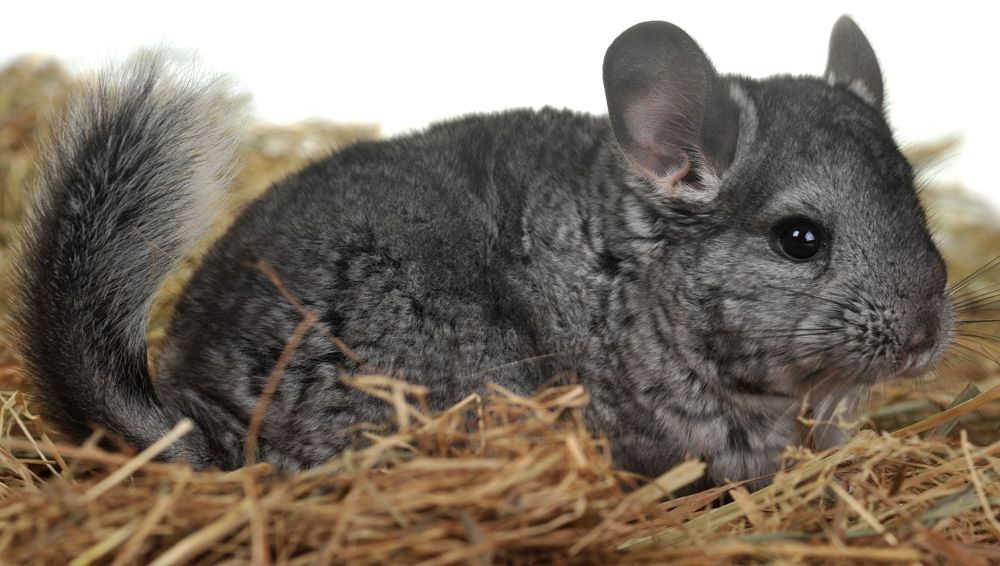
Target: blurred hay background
503 478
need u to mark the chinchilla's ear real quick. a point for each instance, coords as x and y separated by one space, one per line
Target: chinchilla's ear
670 112
852 62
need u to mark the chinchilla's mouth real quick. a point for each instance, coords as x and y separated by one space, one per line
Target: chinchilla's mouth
918 365
923 362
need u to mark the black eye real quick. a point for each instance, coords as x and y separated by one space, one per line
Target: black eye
799 238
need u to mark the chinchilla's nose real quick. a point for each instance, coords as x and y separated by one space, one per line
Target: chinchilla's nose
926 330
923 338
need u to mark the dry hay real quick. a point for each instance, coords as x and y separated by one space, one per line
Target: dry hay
501 479
505 478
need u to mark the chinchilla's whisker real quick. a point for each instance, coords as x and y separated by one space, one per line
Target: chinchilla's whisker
976 274
991 338
978 311
933 375
832 300
816 352
521 362
971 292
821 410
784 333
976 352
975 347
789 359
989 265
949 365
980 321
765 330
806 399
954 353
776 331
965 292
969 342
934 165
981 302
794 334
861 370
827 347
985 298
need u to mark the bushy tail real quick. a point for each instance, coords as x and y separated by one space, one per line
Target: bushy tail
130 180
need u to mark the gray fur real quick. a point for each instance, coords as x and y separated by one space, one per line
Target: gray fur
129 181
505 248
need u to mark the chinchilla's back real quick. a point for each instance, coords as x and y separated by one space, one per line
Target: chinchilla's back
410 250
437 257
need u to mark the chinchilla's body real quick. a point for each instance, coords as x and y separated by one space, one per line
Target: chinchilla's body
703 259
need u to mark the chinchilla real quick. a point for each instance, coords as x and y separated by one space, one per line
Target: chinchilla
705 257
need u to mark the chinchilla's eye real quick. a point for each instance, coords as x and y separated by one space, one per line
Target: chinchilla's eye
799 238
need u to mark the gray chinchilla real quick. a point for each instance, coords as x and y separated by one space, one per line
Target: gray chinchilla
704 257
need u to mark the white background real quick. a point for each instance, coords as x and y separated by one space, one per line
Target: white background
404 64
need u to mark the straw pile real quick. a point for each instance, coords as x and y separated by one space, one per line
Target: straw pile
505 478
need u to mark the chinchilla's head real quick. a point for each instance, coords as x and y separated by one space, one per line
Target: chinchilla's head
813 262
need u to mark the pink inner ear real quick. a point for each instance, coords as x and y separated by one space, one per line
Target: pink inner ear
672 180
663 169
657 130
